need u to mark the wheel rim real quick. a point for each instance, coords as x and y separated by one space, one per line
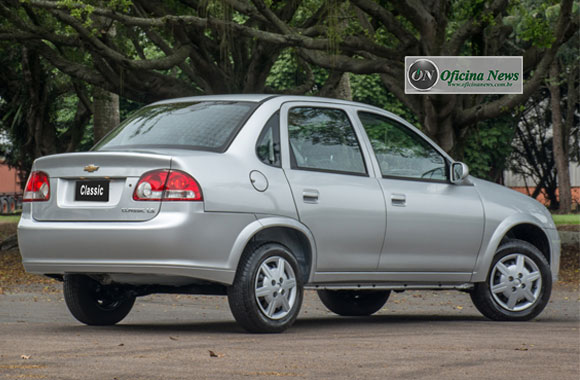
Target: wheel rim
102 298
275 287
515 282
107 305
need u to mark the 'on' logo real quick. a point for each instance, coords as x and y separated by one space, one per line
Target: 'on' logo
423 74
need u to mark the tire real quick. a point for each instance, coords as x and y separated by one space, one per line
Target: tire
90 302
353 303
264 299
521 281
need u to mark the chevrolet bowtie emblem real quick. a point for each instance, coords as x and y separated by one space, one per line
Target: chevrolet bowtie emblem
91 168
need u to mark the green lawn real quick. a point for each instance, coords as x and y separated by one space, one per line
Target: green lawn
9 218
566 219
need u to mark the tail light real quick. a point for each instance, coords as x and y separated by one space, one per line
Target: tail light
167 185
37 188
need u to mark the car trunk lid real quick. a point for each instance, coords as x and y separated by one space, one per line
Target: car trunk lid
111 175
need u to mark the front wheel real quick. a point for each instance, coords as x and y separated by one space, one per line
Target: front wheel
352 303
267 292
94 304
518 285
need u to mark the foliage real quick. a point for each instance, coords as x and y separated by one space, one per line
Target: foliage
147 50
488 147
370 90
532 156
151 50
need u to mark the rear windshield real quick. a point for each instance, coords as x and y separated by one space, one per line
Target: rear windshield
202 125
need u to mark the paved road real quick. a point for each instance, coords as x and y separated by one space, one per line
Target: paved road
419 335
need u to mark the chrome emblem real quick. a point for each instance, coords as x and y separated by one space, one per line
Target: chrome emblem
91 168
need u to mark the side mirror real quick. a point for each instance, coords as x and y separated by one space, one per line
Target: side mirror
459 171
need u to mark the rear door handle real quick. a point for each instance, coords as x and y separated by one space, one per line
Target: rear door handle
399 200
310 196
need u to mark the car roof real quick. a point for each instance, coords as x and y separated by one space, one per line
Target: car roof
258 98
280 99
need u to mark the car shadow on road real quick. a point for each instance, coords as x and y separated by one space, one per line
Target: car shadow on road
332 322
328 323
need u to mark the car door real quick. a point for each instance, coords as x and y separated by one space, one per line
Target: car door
335 196
432 225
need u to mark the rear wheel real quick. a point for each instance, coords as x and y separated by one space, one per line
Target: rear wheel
353 302
266 295
94 304
518 286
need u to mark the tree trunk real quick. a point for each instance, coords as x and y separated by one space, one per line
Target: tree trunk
337 86
560 149
343 90
42 135
106 112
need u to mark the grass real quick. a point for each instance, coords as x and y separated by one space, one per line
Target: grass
566 219
9 218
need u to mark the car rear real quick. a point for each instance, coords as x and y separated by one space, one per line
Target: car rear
127 208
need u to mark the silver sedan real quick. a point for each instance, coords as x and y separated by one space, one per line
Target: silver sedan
258 197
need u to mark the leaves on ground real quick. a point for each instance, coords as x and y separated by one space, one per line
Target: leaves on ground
12 274
570 265
213 354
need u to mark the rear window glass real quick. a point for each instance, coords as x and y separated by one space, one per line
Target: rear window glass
202 125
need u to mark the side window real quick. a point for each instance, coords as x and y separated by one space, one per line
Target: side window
401 152
268 145
324 139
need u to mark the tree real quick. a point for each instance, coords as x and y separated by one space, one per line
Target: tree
532 156
488 147
560 141
230 46
33 97
563 85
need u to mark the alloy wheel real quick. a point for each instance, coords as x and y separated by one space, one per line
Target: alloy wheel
515 282
275 287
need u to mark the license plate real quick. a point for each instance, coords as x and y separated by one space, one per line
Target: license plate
92 191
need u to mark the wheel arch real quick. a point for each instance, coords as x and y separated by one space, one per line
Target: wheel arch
289 232
516 227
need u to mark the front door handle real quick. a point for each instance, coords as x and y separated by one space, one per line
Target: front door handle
310 196
399 200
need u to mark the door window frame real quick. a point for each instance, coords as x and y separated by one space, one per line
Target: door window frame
275 136
288 160
400 124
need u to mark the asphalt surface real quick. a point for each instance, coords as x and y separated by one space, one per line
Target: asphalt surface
418 335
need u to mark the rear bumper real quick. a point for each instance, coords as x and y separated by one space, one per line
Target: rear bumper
182 240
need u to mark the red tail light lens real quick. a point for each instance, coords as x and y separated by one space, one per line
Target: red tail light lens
37 188
150 186
167 185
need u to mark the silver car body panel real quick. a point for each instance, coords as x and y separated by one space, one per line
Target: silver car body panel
505 209
354 241
353 203
174 243
432 212
122 169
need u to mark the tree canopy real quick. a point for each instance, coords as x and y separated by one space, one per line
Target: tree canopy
148 50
